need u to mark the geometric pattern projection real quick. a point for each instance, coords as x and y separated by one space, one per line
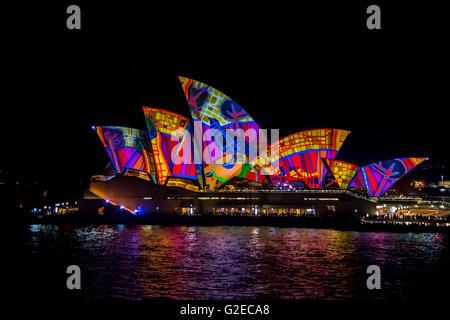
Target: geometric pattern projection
343 172
358 180
127 148
166 122
301 156
306 166
217 175
208 104
378 177
316 139
217 111
166 151
171 144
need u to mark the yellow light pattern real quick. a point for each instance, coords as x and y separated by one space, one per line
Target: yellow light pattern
328 139
343 172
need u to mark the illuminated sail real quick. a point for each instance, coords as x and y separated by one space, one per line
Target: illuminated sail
300 156
170 139
378 177
213 111
127 148
343 172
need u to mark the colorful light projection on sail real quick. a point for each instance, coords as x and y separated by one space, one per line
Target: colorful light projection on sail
306 166
358 180
216 111
300 156
217 175
378 177
127 148
171 143
343 172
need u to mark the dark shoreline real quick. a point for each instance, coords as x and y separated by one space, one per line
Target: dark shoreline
289 222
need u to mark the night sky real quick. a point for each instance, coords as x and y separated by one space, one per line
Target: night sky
290 68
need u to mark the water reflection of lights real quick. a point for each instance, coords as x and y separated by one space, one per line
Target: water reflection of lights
35 227
147 228
240 262
191 233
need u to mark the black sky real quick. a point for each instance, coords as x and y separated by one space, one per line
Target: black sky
291 68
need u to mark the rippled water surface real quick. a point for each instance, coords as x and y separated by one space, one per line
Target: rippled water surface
225 262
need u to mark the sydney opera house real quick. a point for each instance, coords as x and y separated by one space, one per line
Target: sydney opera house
179 166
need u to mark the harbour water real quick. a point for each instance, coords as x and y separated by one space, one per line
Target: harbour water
234 262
